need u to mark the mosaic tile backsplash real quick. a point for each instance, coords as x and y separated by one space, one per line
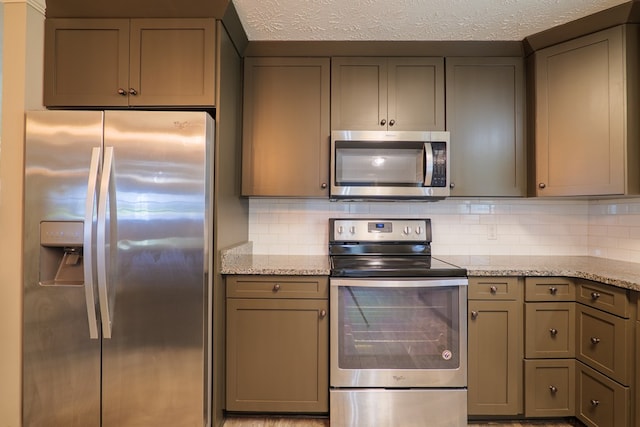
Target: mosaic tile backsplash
605 228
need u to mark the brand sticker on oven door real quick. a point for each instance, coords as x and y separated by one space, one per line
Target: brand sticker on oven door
447 355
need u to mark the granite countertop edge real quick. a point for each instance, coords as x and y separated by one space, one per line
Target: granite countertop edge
239 260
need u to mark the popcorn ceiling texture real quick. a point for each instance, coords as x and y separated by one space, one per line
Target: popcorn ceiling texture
409 20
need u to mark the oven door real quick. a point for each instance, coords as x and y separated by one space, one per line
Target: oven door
398 333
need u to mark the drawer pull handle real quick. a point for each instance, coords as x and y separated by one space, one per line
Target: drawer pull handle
595 340
276 287
553 332
553 290
323 314
553 389
595 402
493 290
474 315
595 295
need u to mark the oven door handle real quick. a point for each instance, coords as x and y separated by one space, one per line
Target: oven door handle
400 283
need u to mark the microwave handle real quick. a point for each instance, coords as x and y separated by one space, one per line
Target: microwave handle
428 164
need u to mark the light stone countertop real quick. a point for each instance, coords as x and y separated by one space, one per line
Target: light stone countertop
241 260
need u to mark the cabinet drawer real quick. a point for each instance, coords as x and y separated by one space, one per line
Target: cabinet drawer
549 388
604 342
549 289
604 297
495 288
600 401
551 330
277 287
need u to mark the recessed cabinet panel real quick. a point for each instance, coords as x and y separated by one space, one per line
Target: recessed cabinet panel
286 127
600 402
485 115
550 388
86 62
550 330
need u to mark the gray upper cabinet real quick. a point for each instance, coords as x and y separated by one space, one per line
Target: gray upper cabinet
371 93
586 127
286 127
485 115
129 62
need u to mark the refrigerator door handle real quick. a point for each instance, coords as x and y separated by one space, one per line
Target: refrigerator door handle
89 288
101 241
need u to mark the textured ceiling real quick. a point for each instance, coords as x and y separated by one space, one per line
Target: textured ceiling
301 20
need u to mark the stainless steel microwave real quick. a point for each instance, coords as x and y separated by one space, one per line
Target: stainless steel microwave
389 165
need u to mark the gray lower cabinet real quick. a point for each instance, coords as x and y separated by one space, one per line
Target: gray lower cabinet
485 115
277 344
495 346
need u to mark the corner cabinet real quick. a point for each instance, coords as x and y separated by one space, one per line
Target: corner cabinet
387 94
586 127
129 62
286 127
495 346
485 115
277 344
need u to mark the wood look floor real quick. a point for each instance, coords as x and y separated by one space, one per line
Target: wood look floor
324 422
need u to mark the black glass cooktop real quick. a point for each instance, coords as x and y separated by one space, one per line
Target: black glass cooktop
393 266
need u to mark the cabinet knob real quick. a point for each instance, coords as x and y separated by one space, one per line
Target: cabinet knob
553 389
323 185
392 122
493 290
323 314
553 332
595 402
122 92
595 340
452 185
132 91
595 295
542 185
276 287
383 122
553 290
474 315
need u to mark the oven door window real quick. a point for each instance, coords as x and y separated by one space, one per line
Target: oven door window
398 328
402 166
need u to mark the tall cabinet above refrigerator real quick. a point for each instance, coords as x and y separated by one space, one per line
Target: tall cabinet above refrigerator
117 290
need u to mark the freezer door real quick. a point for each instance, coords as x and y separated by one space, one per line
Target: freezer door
155 363
61 364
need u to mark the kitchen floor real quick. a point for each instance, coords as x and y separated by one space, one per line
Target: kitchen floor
323 422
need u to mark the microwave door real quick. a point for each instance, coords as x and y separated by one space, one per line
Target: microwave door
428 164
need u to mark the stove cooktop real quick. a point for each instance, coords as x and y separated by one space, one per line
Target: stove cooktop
393 266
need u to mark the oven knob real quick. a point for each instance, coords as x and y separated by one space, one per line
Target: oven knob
407 230
352 230
418 230
340 229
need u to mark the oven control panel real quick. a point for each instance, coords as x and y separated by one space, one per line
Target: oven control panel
383 230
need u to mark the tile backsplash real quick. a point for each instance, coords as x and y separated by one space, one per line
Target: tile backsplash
608 229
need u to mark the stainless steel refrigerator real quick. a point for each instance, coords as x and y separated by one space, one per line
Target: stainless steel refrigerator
117 306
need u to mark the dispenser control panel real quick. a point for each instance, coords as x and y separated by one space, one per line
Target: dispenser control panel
61 233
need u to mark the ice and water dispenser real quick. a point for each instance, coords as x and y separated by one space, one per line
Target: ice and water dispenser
61 260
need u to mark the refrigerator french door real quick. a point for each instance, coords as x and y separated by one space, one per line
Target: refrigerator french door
116 269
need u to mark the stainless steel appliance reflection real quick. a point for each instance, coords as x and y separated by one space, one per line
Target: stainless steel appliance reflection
116 277
398 348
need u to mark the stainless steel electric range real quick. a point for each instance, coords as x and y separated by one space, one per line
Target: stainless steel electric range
398 346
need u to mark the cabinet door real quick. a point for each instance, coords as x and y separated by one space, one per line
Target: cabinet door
580 116
86 62
495 358
551 330
600 401
359 94
415 98
286 127
485 109
277 355
172 62
549 388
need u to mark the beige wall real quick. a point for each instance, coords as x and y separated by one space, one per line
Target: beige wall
23 33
